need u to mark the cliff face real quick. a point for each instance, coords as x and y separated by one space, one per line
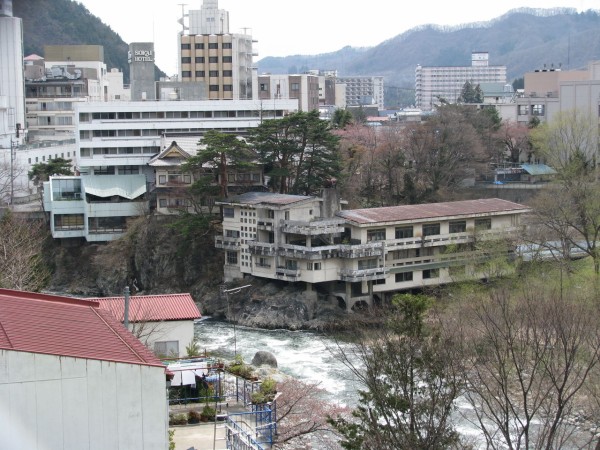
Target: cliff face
156 258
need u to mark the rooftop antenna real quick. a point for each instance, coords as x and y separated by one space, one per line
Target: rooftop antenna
182 16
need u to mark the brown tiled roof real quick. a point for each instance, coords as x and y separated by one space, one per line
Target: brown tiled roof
431 211
151 307
63 326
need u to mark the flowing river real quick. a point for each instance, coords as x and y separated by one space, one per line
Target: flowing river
302 354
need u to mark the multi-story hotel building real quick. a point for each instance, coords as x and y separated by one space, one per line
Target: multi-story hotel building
446 82
117 140
363 91
360 255
209 53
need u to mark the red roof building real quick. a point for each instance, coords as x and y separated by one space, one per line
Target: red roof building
72 375
163 322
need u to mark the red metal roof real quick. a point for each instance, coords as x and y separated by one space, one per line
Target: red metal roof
143 308
64 326
431 211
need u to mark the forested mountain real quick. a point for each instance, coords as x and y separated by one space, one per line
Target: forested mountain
522 40
66 22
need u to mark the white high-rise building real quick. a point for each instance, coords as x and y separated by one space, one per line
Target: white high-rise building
12 88
437 84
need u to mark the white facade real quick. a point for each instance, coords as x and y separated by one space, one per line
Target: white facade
52 402
363 91
168 332
446 82
295 239
12 90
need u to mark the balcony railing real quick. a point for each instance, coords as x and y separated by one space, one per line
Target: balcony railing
303 252
287 274
227 242
361 250
314 227
262 248
377 273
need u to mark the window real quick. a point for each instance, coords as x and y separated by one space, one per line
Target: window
68 222
365 264
404 276
162 202
483 224
114 224
186 73
376 235
227 73
431 273
232 258
186 60
199 59
199 46
227 59
232 233
291 264
295 86
537 110
458 226
166 348
228 212
213 73
228 87
186 46
523 110
213 45
226 44
264 87
270 214
313 266
404 232
431 229
213 59
69 189
200 73
287 215
213 88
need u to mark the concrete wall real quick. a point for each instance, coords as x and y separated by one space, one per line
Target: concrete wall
54 402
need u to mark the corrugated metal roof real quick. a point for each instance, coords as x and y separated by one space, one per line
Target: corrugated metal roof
153 308
266 198
126 186
430 211
63 326
538 169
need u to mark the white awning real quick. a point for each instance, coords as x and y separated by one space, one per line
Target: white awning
126 186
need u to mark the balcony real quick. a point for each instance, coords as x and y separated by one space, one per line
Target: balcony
361 250
314 227
227 242
287 274
377 273
312 253
266 225
262 248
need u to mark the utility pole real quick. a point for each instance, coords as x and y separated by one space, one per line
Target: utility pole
229 316
126 311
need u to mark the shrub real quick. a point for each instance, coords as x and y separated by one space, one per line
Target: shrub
209 412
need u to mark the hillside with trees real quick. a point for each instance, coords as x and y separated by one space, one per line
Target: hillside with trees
66 22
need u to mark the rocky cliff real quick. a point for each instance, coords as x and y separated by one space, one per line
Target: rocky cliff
154 257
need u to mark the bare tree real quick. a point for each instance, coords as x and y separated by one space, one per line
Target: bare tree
21 263
528 356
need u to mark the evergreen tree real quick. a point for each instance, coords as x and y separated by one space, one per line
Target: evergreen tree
41 172
410 377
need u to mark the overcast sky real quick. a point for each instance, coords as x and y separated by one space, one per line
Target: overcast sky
310 27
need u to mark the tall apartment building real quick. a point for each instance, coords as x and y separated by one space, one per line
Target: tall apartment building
116 142
209 53
358 256
363 91
446 82
12 92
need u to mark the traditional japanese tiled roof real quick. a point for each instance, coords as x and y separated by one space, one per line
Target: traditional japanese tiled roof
151 308
64 326
465 208
266 198
173 155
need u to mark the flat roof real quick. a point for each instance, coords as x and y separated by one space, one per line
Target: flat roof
427 211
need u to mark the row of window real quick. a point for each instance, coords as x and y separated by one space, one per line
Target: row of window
431 229
136 115
66 222
202 59
211 46
36 159
88 152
